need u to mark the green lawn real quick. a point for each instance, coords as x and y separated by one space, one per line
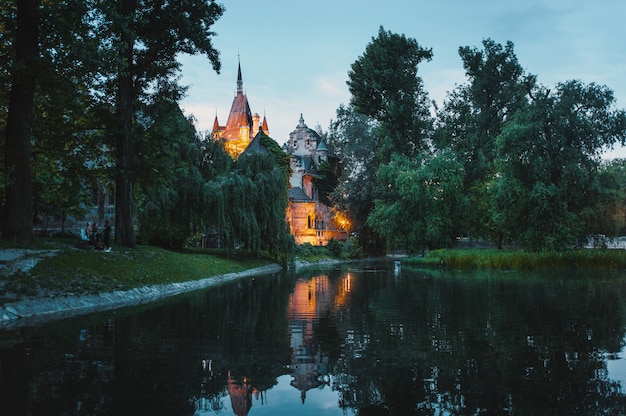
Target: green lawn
81 270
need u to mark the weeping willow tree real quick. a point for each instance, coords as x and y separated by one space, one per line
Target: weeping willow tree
170 178
248 204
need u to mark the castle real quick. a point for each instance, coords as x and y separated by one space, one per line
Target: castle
310 221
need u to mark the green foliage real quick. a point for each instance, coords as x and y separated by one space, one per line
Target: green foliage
472 259
389 113
326 181
473 116
384 85
310 252
353 136
248 204
170 180
334 247
281 159
420 202
57 194
550 191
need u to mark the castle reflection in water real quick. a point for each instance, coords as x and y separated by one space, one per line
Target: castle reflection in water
377 340
312 300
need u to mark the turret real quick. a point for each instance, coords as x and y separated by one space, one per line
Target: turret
264 127
255 124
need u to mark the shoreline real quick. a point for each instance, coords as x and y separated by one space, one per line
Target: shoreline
28 312
37 311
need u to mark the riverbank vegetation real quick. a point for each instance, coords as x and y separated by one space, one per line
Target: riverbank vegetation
504 159
333 250
493 259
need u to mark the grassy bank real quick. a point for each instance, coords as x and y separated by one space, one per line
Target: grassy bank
476 259
79 270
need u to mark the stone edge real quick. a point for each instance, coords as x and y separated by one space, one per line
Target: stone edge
35 311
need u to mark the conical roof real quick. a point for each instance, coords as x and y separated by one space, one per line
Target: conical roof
240 114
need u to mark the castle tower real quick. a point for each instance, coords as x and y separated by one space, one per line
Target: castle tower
238 131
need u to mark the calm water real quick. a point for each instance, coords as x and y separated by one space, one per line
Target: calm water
364 339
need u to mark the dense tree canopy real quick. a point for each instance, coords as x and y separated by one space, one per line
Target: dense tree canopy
147 37
95 64
549 190
503 159
420 201
389 114
247 204
516 161
18 214
170 180
384 85
473 116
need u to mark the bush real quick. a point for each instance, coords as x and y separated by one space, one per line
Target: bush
352 249
335 247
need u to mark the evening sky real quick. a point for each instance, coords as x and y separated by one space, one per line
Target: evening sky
295 56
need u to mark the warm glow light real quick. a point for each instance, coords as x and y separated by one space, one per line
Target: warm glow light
343 221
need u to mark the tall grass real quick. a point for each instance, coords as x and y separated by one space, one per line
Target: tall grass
472 259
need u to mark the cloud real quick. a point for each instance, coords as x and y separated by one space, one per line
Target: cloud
333 87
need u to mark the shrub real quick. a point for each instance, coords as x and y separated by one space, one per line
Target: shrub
335 247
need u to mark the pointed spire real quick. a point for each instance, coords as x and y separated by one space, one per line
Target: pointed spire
216 124
264 127
239 79
301 121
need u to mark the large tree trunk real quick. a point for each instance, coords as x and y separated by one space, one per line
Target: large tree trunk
124 231
18 218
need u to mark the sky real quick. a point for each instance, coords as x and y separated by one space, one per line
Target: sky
295 56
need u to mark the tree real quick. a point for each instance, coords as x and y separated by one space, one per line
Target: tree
248 204
549 190
69 144
474 115
18 216
612 222
326 180
354 138
389 113
65 131
384 85
170 181
147 37
421 204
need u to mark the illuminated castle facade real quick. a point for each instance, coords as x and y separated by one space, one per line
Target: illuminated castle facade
310 221
242 126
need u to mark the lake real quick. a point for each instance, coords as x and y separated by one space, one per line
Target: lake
357 339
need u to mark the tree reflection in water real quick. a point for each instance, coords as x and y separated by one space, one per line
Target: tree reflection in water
377 340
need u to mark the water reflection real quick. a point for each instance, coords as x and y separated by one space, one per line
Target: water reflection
376 339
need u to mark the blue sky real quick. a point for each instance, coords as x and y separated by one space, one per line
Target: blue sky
295 55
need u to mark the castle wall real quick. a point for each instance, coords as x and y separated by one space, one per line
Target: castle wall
312 222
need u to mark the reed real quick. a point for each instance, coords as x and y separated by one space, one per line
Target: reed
471 259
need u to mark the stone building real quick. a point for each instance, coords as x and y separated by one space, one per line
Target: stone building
310 221
242 126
